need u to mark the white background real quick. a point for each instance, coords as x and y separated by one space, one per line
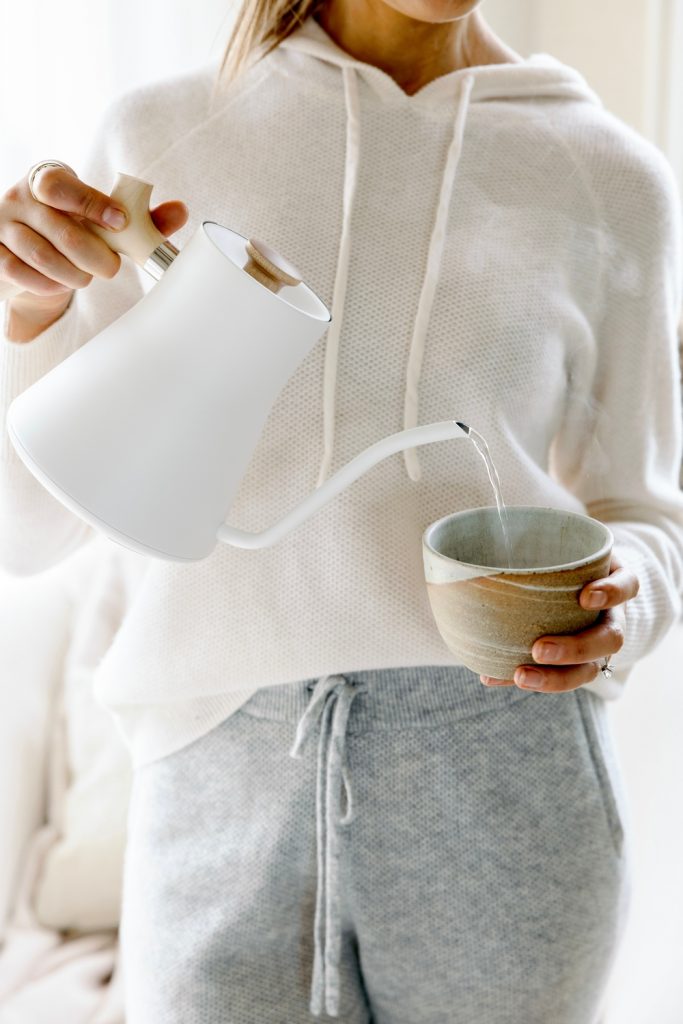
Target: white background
61 62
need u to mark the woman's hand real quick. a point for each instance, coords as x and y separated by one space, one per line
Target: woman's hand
581 653
46 248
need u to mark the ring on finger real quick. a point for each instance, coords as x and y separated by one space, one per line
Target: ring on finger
606 668
33 170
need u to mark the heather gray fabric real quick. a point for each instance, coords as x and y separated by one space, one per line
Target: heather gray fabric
436 852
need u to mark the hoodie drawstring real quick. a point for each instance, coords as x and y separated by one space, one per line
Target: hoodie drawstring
339 294
431 275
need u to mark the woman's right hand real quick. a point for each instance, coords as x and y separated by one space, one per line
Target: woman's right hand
46 248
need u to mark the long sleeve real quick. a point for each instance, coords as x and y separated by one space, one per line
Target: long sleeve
36 530
619 448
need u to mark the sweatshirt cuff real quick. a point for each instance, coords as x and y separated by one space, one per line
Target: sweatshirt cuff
23 363
652 612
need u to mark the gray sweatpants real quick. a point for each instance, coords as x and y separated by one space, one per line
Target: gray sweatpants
403 846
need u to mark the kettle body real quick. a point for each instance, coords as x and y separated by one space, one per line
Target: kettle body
147 429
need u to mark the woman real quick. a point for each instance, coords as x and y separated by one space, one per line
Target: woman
495 244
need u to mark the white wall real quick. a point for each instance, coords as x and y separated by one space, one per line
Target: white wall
513 22
60 64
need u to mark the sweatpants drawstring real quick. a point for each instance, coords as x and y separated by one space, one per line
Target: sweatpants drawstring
330 706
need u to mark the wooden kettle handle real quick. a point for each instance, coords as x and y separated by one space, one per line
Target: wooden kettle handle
138 239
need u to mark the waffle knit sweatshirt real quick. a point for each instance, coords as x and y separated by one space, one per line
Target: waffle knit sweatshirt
496 248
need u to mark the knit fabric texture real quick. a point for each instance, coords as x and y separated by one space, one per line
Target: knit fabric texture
497 248
438 853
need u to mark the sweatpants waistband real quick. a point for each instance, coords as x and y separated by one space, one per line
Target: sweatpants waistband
392 698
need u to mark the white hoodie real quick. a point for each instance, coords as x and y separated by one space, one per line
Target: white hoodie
496 248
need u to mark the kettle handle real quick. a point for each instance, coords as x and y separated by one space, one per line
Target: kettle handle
140 237
427 433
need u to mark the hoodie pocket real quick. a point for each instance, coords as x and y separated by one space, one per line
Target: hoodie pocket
592 714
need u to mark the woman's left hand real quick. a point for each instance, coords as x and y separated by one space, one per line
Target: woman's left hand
581 653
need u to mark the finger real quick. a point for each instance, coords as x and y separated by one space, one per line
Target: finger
621 585
86 253
598 641
71 237
19 273
489 681
38 252
169 217
62 190
555 680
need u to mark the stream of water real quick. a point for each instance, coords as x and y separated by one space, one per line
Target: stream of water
480 444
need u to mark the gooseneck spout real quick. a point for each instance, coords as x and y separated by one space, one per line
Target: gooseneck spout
444 430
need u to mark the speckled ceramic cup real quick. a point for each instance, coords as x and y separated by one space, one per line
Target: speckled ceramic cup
490 615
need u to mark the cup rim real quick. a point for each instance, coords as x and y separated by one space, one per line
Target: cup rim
512 571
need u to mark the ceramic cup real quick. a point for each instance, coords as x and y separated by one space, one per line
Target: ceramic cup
490 615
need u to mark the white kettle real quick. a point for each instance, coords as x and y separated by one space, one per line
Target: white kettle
147 429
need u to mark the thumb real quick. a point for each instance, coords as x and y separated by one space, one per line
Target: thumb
169 217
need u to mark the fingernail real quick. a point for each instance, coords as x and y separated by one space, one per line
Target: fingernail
597 599
549 652
529 680
114 218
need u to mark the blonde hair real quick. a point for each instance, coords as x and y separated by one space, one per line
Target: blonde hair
259 27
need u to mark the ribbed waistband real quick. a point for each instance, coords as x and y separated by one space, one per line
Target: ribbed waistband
393 698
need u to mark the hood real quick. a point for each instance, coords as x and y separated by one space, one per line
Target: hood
538 76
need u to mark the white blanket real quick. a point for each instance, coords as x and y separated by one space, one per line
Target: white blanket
60 889
48 976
